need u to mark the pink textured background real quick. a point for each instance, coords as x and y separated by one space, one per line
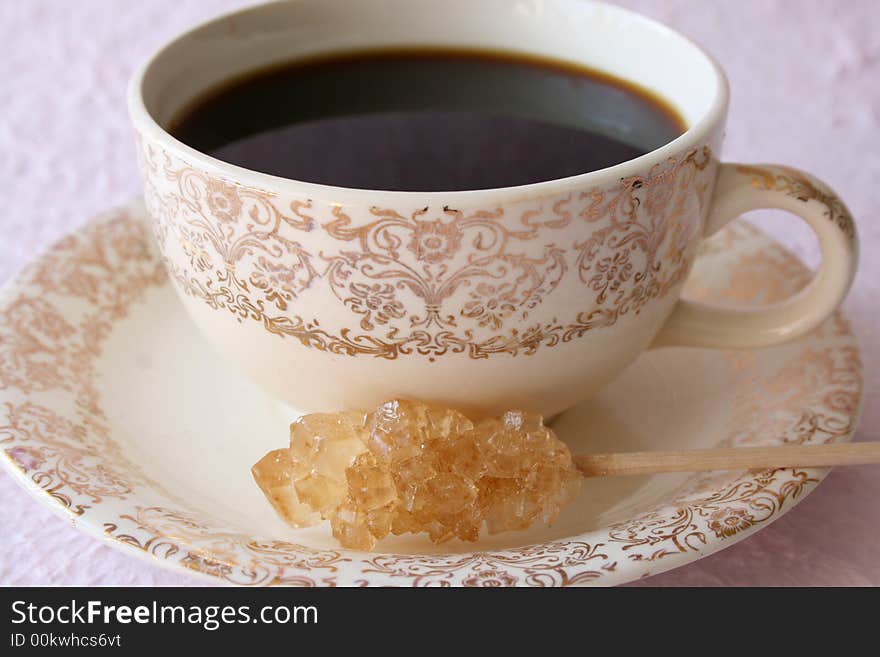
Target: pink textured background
805 76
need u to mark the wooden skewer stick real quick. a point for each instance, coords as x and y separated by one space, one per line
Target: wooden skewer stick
738 458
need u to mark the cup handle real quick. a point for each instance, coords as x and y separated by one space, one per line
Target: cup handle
740 188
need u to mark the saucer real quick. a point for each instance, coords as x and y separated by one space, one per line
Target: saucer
116 414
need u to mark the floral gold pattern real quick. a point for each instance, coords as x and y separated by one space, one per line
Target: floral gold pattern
795 184
728 521
430 281
58 442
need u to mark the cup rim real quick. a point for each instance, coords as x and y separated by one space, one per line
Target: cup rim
693 137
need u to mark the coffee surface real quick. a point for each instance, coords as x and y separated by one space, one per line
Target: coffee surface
426 120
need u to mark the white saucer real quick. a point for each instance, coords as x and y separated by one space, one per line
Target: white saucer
116 414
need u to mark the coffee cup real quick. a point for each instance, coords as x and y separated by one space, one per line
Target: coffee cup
334 298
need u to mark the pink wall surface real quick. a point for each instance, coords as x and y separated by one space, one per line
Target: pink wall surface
805 76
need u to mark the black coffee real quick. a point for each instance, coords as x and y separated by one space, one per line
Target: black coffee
427 120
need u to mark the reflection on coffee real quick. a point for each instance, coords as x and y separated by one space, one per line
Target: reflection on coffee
427 120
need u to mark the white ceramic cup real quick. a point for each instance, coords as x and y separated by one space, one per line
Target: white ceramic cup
526 297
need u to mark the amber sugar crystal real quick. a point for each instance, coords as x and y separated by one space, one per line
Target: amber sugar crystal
409 468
